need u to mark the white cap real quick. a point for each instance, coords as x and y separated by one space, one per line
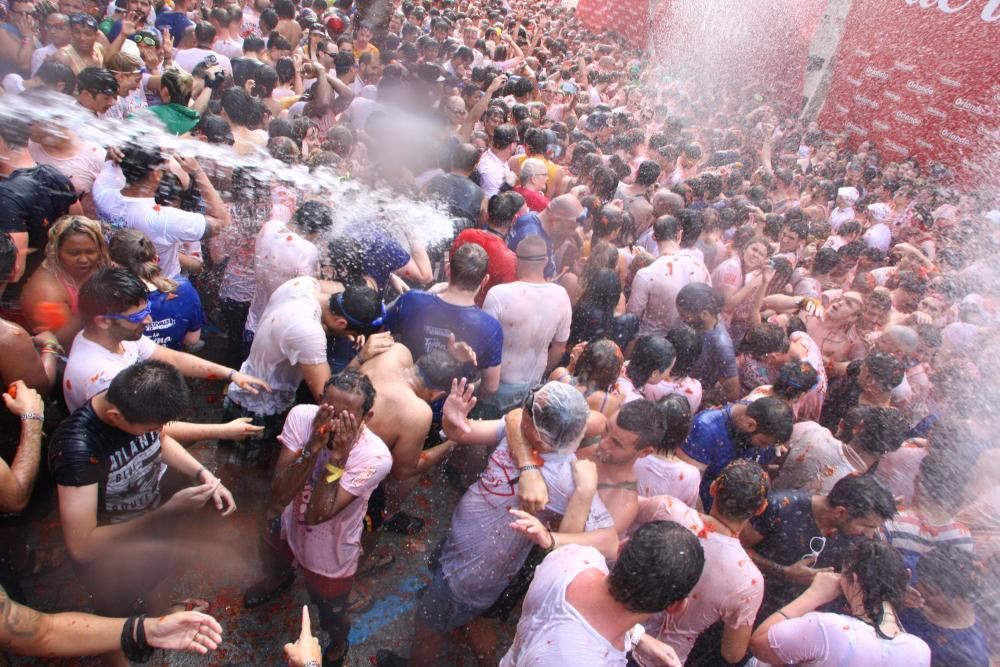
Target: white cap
879 212
849 195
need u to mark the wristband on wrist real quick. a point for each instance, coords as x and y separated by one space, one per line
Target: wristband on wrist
32 416
232 372
133 640
633 636
528 468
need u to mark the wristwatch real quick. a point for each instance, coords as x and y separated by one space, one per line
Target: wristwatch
311 663
527 468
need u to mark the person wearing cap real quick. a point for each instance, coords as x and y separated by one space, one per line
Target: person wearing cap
290 348
83 50
96 89
483 552
847 197
878 235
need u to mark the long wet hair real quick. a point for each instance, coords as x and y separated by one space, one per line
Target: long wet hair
881 575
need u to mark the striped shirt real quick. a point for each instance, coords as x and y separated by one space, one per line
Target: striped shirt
914 536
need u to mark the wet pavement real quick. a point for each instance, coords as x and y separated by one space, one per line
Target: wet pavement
225 562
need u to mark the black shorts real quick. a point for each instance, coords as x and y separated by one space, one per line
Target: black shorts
375 515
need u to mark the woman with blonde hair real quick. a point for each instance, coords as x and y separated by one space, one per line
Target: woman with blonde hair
174 305
74 252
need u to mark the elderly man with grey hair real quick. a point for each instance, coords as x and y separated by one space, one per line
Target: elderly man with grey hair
482 552
534 179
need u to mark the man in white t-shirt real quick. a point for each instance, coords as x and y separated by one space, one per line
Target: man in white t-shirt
847 197
576 612
114 307
877 233
284 251
330 465
655 288
204 35
732 587
493 169
536 316
290 347
134 205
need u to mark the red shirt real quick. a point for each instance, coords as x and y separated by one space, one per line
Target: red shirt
536 201
502 266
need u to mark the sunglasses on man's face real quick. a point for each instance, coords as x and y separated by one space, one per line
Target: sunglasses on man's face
134 318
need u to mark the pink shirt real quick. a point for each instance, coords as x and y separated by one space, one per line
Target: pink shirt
657 476
332 548
730 589
820 639
688 387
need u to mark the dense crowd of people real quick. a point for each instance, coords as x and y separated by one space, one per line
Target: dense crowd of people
716 383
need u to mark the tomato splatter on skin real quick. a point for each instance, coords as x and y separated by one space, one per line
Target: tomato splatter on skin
289 238
537 459
69 385
423 457
211 376
12 391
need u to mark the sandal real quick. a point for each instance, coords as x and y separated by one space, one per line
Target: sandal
358 602
380 560
191 604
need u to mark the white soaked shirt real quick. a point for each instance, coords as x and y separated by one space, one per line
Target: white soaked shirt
279 255
167 227
482 552
551 631
91 367
655 289
533 316
289 333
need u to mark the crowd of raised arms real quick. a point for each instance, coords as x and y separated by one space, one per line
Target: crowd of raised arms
715 384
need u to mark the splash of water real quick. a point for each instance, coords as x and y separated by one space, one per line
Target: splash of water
408 220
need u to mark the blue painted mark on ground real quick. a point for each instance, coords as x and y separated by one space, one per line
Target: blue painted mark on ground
385 611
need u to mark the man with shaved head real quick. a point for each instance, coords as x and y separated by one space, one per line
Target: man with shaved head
466 201
536 316
554 225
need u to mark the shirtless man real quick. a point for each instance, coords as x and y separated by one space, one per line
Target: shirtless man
402 415
631 433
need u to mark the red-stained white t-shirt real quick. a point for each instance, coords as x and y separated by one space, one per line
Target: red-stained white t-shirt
656 476
332 548
279 255
730 588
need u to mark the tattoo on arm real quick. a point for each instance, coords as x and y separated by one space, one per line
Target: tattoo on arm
17 623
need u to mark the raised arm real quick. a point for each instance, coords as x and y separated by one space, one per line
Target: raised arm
18 480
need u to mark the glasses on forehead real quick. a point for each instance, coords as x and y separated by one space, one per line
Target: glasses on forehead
84 20
144 39
134 318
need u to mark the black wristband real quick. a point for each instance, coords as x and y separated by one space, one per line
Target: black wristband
134 644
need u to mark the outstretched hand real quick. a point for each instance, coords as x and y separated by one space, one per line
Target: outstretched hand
532 528
184 631
459 404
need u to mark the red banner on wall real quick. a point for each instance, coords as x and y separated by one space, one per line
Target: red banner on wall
920 78
628 18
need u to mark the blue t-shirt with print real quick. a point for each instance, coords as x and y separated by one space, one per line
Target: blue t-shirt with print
718 357
422 322
174 314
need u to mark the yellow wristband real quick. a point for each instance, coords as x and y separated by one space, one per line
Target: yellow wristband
335 473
